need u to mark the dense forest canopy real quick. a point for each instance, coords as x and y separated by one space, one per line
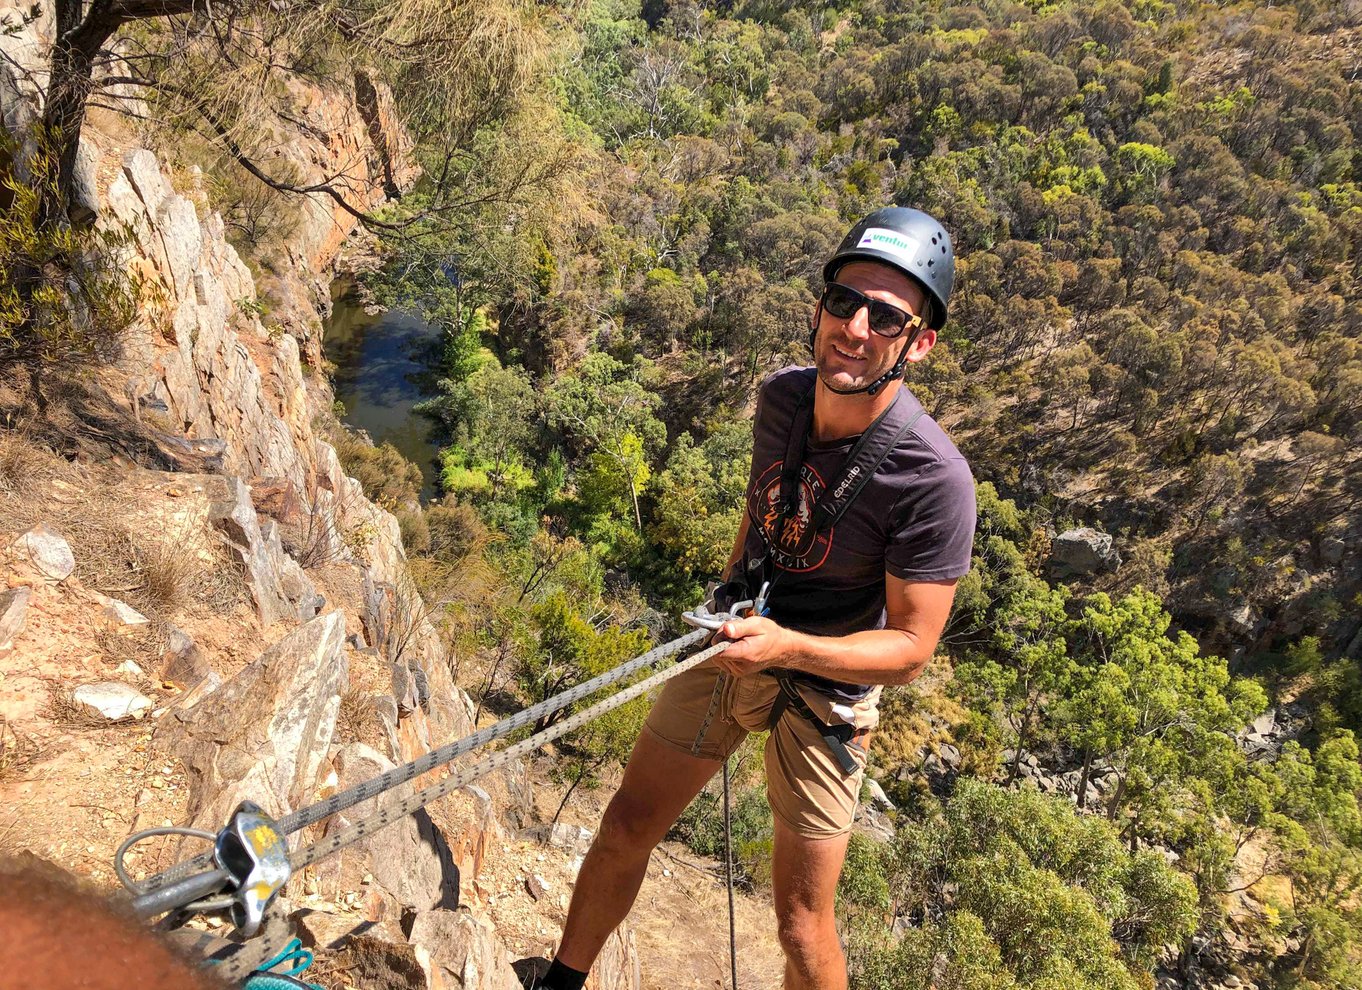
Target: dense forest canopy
1155 333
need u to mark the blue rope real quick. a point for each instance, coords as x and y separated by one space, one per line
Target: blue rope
298 960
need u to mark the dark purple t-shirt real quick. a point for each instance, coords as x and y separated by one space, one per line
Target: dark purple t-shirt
914 519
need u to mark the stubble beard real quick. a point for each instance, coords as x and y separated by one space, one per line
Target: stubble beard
834 371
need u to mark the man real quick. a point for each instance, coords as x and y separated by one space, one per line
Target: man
855 601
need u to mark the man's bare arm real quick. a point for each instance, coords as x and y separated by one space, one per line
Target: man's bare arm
916 613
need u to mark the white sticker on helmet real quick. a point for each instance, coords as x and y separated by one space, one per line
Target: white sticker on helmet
890 242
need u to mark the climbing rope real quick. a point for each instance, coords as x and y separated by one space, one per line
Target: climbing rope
435 758
388 815
257 863
728 878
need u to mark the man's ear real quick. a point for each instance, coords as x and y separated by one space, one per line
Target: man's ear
923 343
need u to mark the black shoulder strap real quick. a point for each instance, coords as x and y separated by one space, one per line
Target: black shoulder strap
861 463
864 460
795 444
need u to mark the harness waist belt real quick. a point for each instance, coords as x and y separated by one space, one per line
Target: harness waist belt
836 736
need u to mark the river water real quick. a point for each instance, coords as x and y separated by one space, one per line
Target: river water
381 374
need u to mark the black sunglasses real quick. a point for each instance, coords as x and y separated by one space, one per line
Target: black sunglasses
843 302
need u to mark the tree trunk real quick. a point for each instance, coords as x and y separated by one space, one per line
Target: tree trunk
79 38
1115 804
1082 793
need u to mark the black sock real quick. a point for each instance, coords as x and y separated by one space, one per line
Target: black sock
560 977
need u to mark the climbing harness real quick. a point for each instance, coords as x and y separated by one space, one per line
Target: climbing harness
861 463
835 737
250 861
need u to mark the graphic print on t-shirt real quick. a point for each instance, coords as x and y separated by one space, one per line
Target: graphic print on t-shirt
798 547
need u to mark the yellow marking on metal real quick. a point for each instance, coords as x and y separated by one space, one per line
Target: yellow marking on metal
262 839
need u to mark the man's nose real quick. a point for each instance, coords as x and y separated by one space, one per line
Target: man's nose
858 324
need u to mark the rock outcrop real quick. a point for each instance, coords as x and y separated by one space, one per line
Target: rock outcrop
264 734
46 552
411 859
1083 551
223 391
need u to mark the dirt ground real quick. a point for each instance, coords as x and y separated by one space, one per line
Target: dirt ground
680 920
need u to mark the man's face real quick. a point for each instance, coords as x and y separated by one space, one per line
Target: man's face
846 352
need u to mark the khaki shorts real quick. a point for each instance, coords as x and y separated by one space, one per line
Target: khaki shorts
807 789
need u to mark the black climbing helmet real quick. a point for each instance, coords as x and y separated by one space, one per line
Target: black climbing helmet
909 240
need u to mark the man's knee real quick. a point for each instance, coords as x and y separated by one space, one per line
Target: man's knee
629 825
805 934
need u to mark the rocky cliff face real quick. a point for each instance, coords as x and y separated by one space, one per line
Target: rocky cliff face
320 669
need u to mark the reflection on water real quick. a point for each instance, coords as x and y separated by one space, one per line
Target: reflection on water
381 374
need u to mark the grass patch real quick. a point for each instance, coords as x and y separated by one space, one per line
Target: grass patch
25 466
17 752
353 715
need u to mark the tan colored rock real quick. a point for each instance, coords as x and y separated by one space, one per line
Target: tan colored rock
13 615
411 858
617 967
47 552
457 950
112 700
263 735
121 616
183 663
276 582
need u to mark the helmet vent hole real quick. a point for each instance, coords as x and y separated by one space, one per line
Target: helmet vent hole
943 249
933 240
930 262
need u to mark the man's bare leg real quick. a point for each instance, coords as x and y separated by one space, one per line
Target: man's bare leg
804 876
659 782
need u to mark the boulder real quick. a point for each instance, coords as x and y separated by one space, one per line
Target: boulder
1243 620
1264 724
47 552
520 810
183 663
875 793
537 887
456 950
293 580
410 859
1083 551
13 615
277 584
121 616
112 700
263 735
572 839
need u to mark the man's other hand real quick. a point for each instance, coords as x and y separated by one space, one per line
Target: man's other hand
756 644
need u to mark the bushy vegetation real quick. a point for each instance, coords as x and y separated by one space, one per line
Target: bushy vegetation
1155 332
64 299
1156 209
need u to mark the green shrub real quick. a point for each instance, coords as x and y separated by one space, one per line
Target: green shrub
63 297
